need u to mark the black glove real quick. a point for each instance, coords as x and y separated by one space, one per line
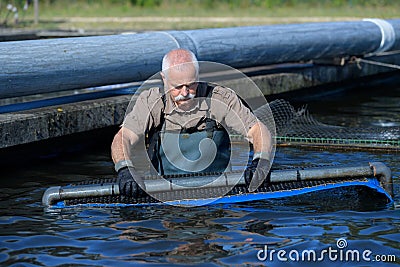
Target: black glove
128 183
256 173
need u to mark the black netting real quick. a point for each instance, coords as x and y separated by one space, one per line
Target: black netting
299 127
199 193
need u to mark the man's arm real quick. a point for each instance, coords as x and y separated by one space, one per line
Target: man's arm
257 171
130 184
260 137
121 146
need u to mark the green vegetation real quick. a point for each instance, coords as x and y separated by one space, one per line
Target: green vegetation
185 14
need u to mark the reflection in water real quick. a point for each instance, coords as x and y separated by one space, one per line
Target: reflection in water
221 234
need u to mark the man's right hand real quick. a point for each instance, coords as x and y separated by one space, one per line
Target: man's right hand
127 181
256 173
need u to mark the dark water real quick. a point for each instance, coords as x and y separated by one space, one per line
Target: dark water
219 235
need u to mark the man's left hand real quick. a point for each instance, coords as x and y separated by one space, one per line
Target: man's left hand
256 173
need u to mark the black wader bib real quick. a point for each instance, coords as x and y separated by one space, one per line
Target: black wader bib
190 150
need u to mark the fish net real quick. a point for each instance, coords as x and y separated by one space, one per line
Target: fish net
298 127
353 194
275 189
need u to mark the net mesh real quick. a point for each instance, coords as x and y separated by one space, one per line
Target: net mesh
199 193
299 127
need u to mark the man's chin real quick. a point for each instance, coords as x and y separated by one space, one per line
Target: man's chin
185 103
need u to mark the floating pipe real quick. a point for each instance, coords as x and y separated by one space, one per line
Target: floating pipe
384 174
377 169
42 66
57 193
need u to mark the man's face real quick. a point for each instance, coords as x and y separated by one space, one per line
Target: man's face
181 84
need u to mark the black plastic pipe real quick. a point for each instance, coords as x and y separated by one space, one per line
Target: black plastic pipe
41 66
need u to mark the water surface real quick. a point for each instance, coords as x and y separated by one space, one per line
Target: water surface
219 235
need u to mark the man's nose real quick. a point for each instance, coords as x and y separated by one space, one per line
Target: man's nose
184 90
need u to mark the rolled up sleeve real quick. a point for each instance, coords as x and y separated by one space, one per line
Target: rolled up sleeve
141 118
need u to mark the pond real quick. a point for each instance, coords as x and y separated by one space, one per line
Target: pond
246 234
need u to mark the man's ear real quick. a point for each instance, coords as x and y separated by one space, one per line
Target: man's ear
163 76
164 79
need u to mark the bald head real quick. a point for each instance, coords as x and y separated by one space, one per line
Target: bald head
180 60
180 73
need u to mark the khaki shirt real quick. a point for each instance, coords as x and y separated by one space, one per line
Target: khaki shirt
224 106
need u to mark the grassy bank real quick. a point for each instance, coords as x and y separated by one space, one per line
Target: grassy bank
181 14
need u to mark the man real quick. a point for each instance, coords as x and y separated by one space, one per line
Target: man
178 122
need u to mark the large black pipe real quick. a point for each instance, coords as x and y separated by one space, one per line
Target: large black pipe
40 66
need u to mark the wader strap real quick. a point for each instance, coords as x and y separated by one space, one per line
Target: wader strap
153 137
